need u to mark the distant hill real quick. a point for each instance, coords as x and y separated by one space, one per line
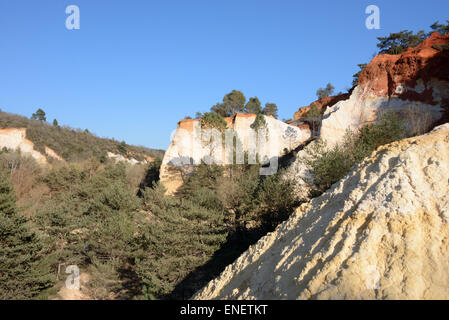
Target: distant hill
74 144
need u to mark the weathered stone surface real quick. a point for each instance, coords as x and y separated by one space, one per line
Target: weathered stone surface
120 158
15 139
380 233
321 104
188 148
416 83
361 109
409 75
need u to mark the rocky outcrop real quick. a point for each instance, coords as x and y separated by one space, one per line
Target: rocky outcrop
414 83
15 139
380 233
120 158
412 75
190 144
321 104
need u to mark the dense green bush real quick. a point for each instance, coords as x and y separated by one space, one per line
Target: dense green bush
216 214
90 221
147 244
151 175
314 116
180 236
249 200
329 165
24 270
276 200
213 120
259 122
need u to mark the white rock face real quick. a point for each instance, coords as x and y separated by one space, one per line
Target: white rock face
15 139
190 144
380 233
300 174
120 158
363 107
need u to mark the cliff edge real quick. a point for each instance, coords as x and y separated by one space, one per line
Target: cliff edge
380 233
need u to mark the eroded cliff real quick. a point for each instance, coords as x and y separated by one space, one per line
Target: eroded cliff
414 83
190 144
380 233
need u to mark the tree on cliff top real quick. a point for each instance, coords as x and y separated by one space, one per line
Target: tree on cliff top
253 106
233 103
325 92
398 42
271 109
314 117
441 28
39 115
355 80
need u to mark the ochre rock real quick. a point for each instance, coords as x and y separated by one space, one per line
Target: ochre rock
414 83
409 75
380 233
15 139
321 104
188 147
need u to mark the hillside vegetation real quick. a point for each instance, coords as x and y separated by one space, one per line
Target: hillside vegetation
379 233
116 224
73 144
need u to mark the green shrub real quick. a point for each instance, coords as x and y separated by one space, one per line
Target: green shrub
441 47
313 116
216 215
330 165
24 271
213 120
203 176
122 148
151 175
259 122
72 144
277 200
90 221
181 236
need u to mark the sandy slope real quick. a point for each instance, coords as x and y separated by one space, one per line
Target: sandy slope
380 233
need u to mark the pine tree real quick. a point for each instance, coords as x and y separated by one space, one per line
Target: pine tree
253 106
325 92
234 102
23 273
39 115
313 116
398 42
441 28
271 109
356 76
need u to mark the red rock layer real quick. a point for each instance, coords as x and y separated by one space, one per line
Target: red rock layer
426 62
321 104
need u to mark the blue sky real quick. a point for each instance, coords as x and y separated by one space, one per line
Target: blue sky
135 68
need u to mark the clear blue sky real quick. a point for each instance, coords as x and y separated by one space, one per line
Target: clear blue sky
137 67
